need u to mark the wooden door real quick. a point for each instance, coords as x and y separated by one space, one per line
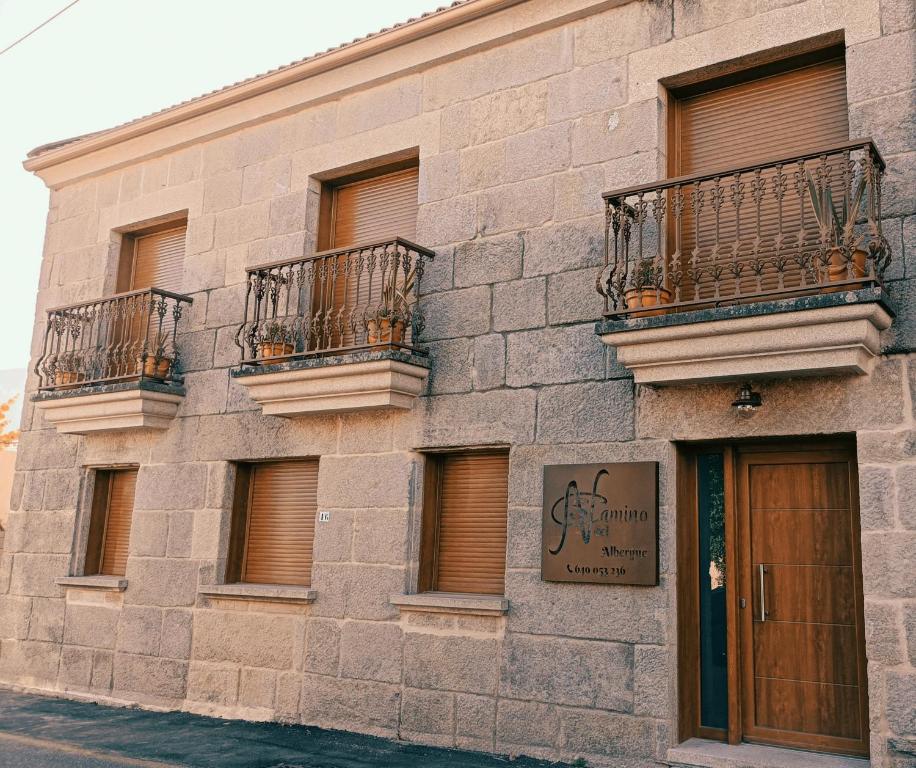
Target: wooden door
152 260
802 662
159 263
367 211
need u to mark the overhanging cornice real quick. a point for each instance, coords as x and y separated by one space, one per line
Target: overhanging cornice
319 78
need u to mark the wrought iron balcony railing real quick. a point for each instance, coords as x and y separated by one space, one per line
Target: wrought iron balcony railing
337 301
130 336
794 226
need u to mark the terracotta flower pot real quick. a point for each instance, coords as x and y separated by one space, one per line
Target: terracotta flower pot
382 331
837 269
153 369
646 297
269 349
67 378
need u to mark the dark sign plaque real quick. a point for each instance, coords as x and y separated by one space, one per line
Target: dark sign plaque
600 523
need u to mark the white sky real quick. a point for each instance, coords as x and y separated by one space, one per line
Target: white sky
107 61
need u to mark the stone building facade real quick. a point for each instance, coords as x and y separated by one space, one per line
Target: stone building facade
521 115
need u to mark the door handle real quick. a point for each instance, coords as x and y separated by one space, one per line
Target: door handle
763 592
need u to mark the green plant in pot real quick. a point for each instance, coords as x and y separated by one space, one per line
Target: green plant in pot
157 364
387 325
276 340
837 225
646 289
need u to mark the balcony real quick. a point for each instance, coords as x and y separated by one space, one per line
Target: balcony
771 270
113 363
336 331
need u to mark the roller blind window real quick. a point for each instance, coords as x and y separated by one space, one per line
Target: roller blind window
274 527
376 209
779 115
159 260
372 210
467 505
110 523
154 260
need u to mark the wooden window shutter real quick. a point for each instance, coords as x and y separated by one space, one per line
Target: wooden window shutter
758 120
472 500
765 118
282 505
109 526
371 210
159 260
376 209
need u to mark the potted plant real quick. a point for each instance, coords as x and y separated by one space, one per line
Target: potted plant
276 341
388 324
836 224
646 290
156 364
385 328
68 370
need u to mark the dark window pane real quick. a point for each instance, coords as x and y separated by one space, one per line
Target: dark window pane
713 667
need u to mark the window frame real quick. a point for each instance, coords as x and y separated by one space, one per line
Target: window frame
127 256
240 520
428 565
675 94
330 187
99 502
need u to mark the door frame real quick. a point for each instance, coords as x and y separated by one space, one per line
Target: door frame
738 649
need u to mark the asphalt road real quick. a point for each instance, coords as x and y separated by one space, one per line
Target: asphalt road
23 752
47 732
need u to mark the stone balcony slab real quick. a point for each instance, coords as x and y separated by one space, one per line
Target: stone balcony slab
352 382
836 333
111 407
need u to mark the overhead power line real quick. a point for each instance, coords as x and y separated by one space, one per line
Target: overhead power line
32 32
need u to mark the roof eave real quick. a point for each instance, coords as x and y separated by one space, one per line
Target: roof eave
68 149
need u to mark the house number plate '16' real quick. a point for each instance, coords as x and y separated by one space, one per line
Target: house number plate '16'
600 523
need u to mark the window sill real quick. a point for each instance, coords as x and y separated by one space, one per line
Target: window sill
451 602
276 593
102 583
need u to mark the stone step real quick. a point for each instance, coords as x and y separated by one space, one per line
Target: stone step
701 753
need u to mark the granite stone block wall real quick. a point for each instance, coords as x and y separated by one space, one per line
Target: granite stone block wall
516 142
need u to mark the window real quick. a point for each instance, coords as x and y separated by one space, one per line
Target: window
109 524
765 115
464 523
713 672
754 117
366 208
371 207
273 525
150 259
153 258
